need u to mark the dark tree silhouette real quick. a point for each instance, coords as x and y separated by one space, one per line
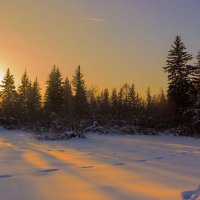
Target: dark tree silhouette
9 97
196 106
105 103
24 91
53 104
92 101
114 103
34 104
80 98
178 75
54 93
132 103
68 98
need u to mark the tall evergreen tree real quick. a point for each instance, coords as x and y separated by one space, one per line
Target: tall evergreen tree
114 102
68 98
93 102
34 103
178 75
196 107
124 93
160 111
24 91
54 93
125 90
8 101
80 98
162 104
132 99
105 102
149 115
132 104
149 100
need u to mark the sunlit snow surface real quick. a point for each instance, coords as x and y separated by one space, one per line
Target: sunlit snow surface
99 167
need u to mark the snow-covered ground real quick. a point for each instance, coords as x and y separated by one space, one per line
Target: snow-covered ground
100 167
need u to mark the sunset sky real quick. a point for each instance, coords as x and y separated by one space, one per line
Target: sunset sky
115 41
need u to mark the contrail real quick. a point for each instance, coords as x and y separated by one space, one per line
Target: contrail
94 19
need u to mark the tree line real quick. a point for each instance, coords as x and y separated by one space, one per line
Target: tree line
68 104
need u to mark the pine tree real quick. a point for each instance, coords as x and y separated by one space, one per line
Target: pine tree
9 101
93 102
140 107
149 100
34 103
162 105
68 98
105 102
53 101
132 104
132 99
54 93
124 92
140 103
160 111
24 91
178 75
80 98
114 102
149 114
37 102
196 107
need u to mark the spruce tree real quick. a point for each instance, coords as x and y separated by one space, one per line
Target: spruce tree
53 101
149 109
93 102
105 102
132 104
68 98
80 98
34 103
24 91
114 102
9 101
162 104
132 99
54 93
179 84
124 92
149 100
120 104
140 107
196 107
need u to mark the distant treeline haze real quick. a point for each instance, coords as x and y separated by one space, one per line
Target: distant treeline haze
67 103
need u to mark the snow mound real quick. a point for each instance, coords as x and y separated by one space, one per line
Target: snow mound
191 195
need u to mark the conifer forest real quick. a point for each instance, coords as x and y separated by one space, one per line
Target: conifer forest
69 105
99 100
